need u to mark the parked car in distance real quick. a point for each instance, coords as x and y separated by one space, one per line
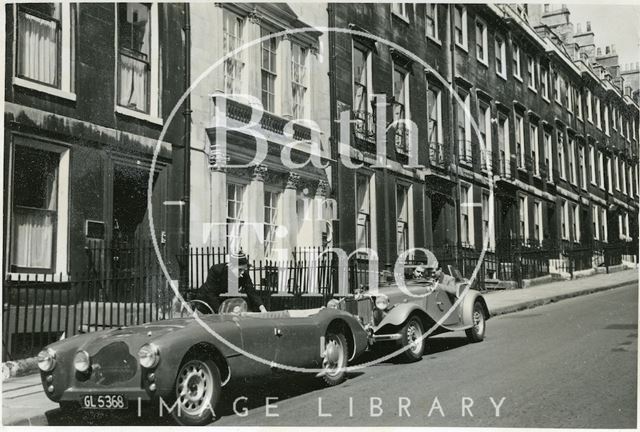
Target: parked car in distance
180 362
434 302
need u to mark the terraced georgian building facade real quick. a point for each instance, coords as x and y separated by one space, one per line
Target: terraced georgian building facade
525 136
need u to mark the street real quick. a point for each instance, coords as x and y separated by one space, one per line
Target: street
566 364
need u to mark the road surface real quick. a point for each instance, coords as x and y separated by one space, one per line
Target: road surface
566 364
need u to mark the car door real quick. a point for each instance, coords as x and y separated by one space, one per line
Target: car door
259 336
298 342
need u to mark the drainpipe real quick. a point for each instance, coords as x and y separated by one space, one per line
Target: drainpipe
452 125
186 182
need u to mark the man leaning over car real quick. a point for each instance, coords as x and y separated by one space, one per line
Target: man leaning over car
217 283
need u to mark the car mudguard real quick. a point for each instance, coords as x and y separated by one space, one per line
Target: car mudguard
399 313
467 308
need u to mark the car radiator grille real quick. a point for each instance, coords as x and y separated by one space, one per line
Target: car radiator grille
112 364
363 308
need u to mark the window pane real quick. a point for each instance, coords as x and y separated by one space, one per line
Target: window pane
35 207
39 42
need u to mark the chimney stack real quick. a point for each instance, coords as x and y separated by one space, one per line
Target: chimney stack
599 51
588 26
607 50
578 28
613 49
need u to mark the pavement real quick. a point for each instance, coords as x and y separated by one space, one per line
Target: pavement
24 402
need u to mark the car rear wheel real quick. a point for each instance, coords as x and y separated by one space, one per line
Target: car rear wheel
335 359
412 340
476 333
197 391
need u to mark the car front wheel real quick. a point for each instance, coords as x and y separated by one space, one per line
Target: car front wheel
476 333
197 391
412 340
335 359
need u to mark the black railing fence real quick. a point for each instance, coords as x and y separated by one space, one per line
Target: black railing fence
124 285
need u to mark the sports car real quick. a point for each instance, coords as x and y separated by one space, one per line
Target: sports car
180 365
432 302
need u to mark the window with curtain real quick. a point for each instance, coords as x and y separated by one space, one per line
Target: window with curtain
270 221
481 41
232 26
486 222
535 150
269 71
460 25
235 216
517 68
363 207
134 55
484 125
464 128
400 106
362 110
561 157
524 219
501 54
35 207
298 80
40 43
465 215
548 158
402 218
520 140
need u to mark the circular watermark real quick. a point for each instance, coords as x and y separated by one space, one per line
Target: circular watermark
428 69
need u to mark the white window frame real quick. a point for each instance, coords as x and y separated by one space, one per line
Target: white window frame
583 167
240 217
67 66
433 17
501 46
576 223
487 215
303 85
404 217
561 154
531 73
519 126
557 88
61 249
589 107
517 63
592 164
523 217
609 175
406 91
564 221
464 43
578 104
595 219
400 10
598 113
616 172
572 160
538 221
545 84
603 224
606 120
548 154
601 169
465 110
484 43
438 98
466 209
623 168
534 144
155 84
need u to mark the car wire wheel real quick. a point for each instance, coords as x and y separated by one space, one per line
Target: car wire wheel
414 337
194 387
334 360
476 332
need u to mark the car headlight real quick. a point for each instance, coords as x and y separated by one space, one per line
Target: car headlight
47 360
382 301
82 361
333 304
148 356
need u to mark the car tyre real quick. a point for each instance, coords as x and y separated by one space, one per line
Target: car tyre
476 333
197 391
412 340
335 359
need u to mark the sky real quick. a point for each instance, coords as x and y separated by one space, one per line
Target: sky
612 24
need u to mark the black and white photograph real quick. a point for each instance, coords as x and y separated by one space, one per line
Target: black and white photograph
320 214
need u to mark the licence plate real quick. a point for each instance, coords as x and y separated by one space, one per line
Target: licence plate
104 401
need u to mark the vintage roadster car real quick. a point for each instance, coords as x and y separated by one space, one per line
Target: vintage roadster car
182 364
432 302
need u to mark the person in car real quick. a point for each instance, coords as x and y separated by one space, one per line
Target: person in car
217 283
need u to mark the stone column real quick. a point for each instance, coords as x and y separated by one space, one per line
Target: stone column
284 92
252 55
217 228
289 214
255 214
